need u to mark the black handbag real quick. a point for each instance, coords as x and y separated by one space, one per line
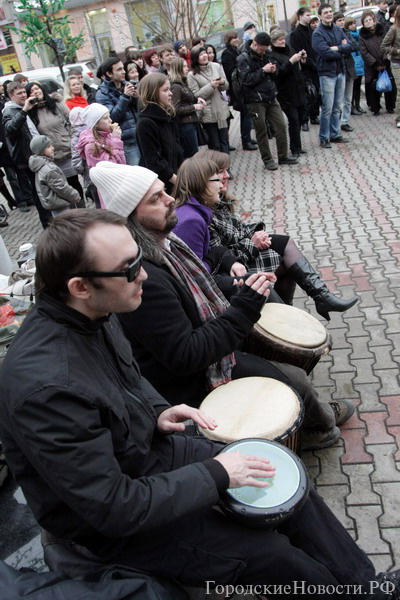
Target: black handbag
311 92
202 136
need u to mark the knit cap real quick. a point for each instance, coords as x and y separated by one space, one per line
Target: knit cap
177 45
263 39
276 34
247 25
121 187
39 143
93 113
75 116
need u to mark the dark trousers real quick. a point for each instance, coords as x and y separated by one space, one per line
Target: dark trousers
295 117
311 546
11 173
356 99
375 97
188 139
246 125
260 112
218 139
26 182
76 184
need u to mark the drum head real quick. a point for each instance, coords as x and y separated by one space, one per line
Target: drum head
292 325
287 491
251 407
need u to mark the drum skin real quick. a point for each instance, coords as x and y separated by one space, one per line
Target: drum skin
265 508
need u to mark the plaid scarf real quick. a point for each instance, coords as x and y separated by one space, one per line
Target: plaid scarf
187 268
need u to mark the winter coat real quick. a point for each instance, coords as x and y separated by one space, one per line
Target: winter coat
76 101
349 60
256 84
52 187
228 61
78 425
183 101
157 137
382 20
121 109
217 110
289 80
17 134
357 57
176 355
85 147
56 126
5 157
391 45
301 39
330 62
370 47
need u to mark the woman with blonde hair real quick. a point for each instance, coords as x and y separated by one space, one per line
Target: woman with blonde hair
74 93
157 130
391 47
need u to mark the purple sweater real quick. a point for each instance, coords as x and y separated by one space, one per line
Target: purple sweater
192 228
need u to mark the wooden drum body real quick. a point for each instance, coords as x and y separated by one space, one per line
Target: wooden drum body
288 334
256 407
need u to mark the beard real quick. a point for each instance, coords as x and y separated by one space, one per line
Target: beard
154 227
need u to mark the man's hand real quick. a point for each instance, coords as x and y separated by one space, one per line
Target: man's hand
170 420
238 270
335 48
345 41
244 469
261 240
130 90
28 104
269 68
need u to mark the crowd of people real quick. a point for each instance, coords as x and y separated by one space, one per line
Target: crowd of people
143 307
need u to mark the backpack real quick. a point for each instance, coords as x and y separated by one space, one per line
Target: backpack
237 86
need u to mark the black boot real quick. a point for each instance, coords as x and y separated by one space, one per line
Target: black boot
309 281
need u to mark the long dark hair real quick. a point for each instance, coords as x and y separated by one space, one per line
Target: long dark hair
47 102
194 58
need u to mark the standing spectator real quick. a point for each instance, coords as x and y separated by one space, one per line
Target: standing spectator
391 47
228 61
291 87
132 74
249 31
182 51
74 93
314 22
372 34
331 46
207 80
118 97
300 39
186 106
138 60
19 130
7 164
351 26
89 90
382 14
212 53
157 129
152 60
51 117
338 19
257 79
22 79
166 54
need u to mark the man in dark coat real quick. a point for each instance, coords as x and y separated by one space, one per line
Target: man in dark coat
92 444
382 13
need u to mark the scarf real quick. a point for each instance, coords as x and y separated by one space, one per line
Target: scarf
190 272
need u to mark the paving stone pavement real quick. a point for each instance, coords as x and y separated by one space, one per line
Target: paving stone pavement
342 207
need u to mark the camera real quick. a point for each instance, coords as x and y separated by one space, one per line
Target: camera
33 100
303 52
133 82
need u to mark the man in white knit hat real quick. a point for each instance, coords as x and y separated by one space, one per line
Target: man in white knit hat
185 335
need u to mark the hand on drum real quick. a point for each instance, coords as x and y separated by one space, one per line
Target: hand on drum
244 469
259 282
170 420
261 240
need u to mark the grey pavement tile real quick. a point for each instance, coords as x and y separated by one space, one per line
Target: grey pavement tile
391 535
389 380
364 371
341 361
331 472
360 348
356 326
383 358
334 496
384 460
360 485
390 501
367 526
379 336
339 337
370 398
382 562
393 322
372 315
367 299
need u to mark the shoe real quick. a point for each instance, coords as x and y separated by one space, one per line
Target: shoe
339 140
297 153
360 110
390 112
24 208
271 165
250 146
231 148
398 124
316 440
253 141
346 127
376 113
308 279
355 112
325 144
343 410
314 121
11 205
305 127
390 582
5 224
288 160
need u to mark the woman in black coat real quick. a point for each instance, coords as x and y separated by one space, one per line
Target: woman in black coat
156 129
291 87
371 38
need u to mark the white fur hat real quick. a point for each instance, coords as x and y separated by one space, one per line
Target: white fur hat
93 113
121 187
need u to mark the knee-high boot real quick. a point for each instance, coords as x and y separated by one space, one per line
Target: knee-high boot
308 279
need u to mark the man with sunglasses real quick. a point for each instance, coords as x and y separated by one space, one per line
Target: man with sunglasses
92 444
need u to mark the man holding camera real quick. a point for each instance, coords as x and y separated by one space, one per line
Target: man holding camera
117 95
19 130
257 78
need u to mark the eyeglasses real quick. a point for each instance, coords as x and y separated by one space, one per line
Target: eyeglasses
216 179
131 272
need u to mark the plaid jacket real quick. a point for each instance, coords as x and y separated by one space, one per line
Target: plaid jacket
227 229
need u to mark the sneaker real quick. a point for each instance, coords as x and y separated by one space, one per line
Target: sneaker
343 410
250 146
325 144
339 140
316 440
288 160
305 127
390 583
398 124
346 127
24 208
271 165
314 121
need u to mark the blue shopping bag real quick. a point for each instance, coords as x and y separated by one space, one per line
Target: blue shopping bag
383 83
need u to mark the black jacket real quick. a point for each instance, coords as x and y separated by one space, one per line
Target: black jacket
18 136
290 79
381 18
228 61
157 137
370 48
78 427
300 39
173 347
257 85
5 158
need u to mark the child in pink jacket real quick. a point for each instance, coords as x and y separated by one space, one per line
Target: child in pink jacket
102 138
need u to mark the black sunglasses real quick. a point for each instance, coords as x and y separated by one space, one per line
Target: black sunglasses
131 272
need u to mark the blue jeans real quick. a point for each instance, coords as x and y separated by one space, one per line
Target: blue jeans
132 153
348 94
332 92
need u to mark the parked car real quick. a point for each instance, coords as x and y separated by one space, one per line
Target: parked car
89 69
356 13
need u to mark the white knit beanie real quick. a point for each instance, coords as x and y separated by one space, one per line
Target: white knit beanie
92 113
121 187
